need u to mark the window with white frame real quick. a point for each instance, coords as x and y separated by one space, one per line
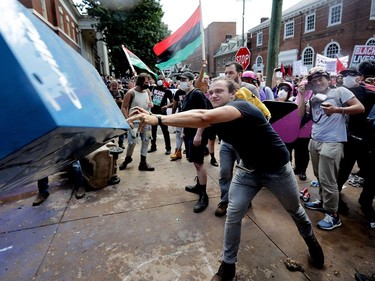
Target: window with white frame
335 13
371 42
310 23
61 16
332 50
372 11
73 32
260 38
67 25
308 56
44 8
289 29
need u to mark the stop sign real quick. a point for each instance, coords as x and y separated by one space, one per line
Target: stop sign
243 57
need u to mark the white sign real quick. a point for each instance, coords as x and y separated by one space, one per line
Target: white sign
297 67
322 61
362 53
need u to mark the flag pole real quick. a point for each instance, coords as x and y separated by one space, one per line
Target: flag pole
202 33
127 57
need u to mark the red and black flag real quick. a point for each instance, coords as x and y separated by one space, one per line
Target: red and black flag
181 44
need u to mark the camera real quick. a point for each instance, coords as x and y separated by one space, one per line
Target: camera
308 86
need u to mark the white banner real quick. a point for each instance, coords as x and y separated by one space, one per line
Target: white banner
329 63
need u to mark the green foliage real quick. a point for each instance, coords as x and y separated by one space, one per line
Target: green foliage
136 24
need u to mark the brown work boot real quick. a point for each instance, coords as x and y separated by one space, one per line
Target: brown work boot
176 155
80 192
221 209
40 198
226 272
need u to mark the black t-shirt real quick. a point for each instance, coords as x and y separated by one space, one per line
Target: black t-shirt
179 96
160 96
358 124
194 100
258 145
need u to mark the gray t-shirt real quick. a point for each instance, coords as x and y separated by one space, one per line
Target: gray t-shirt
251 88
330 128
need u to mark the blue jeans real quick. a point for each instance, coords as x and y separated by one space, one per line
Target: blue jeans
228 156
245 185
133 136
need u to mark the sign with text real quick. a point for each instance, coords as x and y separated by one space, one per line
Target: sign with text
330 63
243 57
362 53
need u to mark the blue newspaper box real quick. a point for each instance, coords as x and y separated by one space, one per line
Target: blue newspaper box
55 107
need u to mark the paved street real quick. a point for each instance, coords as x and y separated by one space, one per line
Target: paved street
144 228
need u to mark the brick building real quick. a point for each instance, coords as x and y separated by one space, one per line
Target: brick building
328 27
75 29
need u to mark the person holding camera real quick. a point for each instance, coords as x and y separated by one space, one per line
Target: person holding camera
328 108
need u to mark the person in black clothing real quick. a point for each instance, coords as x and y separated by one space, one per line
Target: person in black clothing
243 125
358 146
178 99
162 98
195 139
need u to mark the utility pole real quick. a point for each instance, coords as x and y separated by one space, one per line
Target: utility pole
274 39
243 23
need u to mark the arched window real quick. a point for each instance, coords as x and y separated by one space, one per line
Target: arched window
371 42
308 57
332 50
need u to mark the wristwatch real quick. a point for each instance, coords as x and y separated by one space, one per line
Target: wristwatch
160 122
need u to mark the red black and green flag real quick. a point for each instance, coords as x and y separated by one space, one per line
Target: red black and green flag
181 44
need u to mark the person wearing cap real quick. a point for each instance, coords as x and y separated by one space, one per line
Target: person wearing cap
243 125
327 140
162 99
195 139
357 148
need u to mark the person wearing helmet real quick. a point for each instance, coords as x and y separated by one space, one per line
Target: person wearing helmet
284 91
251 78
327 137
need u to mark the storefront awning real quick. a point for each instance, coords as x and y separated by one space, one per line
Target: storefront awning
288 57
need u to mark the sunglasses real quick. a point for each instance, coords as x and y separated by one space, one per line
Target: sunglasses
285 88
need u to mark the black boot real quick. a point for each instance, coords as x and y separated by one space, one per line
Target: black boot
193 188
316 252
144 166
226 272
128 159
202 202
